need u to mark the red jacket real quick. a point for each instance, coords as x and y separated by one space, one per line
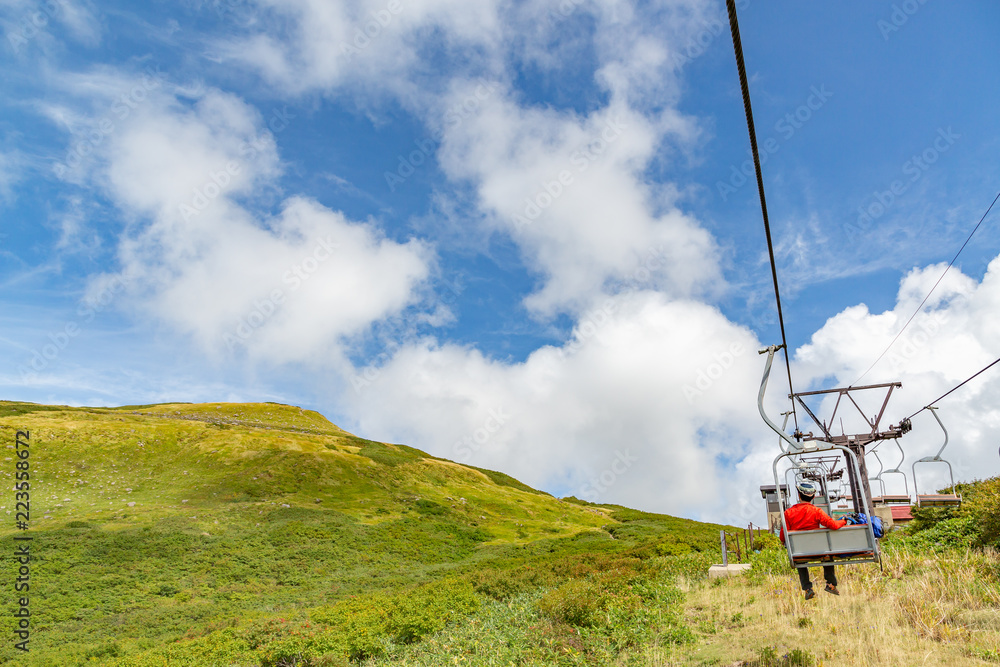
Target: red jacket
806 516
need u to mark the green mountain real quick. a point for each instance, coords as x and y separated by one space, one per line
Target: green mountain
262 534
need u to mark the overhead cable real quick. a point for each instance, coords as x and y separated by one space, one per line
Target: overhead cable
920 307
741 66
953 389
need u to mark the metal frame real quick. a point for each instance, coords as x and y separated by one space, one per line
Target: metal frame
943 501
896 470
878 477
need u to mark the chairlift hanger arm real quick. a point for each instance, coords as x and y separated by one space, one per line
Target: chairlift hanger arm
793 446
851 388
937 457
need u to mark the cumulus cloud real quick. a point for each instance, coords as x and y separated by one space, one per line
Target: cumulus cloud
644 406
570 192
374 44
289 287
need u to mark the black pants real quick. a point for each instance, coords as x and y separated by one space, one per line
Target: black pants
828 573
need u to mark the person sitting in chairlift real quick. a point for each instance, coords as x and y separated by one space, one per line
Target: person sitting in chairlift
806 516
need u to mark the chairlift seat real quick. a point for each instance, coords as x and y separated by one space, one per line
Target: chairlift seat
891 500
939 500
850 544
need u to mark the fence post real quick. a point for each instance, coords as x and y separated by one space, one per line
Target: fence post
725 556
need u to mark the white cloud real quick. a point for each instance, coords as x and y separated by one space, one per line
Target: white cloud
292 287
570 192
372 44
666 388
27 23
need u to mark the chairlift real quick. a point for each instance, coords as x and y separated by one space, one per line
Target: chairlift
936 499
809 548
878 477
896 499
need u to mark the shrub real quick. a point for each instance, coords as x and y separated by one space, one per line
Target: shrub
766 541
429 507
768 657
982 502
575 602
385 454
504 584
366 625
960 532
769 561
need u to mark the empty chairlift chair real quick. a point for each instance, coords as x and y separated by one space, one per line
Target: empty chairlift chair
896 499
936 499
878 478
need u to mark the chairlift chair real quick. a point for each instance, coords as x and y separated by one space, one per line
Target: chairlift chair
878 478
936 499
810 548
896 499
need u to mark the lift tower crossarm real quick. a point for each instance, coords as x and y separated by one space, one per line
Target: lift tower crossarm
860 486
874 435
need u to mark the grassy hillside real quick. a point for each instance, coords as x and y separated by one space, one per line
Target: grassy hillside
262 534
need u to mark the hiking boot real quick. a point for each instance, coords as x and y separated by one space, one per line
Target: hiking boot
810 594
830 588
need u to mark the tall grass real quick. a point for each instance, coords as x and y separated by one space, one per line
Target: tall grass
919 608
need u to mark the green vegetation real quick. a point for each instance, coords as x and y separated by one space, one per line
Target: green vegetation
975 523
261 534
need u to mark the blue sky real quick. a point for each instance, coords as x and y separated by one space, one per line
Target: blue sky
508 233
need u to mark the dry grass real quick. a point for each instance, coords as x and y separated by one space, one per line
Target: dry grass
917 610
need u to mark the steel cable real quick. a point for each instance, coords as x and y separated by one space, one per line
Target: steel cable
741 66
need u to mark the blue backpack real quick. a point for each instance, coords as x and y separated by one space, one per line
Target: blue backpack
861 518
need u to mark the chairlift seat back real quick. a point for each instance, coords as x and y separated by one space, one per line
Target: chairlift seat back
824 546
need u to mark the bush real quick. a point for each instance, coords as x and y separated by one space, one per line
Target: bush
504 584
365 626
576 602
957 532
768 657
982 502
387 455
766 541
